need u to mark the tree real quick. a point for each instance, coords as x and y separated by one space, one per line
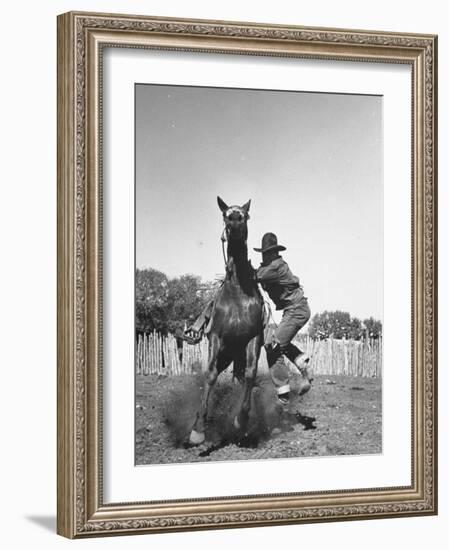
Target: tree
373 328
151 299
165 304
355 329
186 299
335 324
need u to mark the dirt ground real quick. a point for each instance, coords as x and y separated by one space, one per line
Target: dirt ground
339 416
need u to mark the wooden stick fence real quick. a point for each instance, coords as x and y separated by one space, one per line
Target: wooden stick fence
156 354
344 357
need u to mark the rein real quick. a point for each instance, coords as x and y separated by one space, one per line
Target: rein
223 240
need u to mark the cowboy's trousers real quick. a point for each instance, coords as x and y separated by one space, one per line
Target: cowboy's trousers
293 319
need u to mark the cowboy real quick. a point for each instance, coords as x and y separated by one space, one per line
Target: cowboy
287 294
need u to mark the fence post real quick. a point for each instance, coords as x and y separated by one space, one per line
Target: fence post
138 364
144 354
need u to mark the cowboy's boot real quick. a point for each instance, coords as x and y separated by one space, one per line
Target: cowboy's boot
279 374
302 362
194 333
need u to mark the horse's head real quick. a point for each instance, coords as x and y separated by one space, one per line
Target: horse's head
235 219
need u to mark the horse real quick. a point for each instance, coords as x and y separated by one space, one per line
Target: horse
235 330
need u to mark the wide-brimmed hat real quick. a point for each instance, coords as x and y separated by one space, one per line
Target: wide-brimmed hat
270 242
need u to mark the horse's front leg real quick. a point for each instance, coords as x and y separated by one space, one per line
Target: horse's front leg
197 435
252 357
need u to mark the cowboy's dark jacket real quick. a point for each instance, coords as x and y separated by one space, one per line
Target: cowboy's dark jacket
282 286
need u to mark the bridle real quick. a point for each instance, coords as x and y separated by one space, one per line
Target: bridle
224 233
224 238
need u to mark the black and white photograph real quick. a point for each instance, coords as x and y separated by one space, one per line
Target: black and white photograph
222 323
259 274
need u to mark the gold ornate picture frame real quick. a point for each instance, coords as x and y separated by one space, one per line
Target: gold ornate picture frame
82 40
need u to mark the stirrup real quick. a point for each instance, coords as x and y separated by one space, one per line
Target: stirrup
307 372
192 339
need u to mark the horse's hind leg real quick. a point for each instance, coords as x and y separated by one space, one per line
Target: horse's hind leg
252 357
216 364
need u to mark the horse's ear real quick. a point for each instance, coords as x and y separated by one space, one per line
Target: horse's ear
223 206
246 206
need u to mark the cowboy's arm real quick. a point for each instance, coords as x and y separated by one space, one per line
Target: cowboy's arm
266 274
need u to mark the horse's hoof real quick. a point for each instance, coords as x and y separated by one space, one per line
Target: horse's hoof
236 423
196 438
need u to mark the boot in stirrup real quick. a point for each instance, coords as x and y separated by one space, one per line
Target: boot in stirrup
302 364
192 336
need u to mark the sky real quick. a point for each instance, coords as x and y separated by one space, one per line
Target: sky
311 163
